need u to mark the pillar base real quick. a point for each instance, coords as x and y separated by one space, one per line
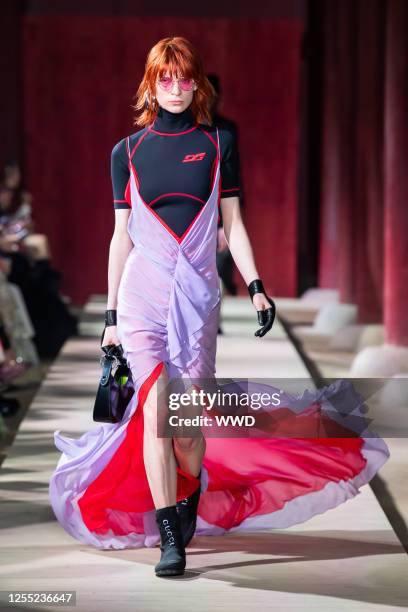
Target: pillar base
380 361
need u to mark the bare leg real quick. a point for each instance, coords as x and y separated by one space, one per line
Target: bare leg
189 450
189 453
158 455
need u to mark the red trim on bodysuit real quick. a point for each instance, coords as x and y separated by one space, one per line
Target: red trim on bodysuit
176 193
130 155
127 193
216 148
213 168
210 137
132 169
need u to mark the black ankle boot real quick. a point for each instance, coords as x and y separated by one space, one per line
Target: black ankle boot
173 557
187 509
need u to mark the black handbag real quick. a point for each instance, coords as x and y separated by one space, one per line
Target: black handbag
115 386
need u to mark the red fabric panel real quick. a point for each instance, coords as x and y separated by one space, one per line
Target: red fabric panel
122 487
261 476
276 471
81 73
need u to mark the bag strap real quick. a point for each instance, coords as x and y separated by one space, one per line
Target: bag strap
106 370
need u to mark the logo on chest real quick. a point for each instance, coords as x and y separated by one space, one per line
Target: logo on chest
193 157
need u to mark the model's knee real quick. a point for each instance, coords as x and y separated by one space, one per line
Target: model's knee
187 445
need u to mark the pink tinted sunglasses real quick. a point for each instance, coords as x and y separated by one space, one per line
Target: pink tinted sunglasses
166 83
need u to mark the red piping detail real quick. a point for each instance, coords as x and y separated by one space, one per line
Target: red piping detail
167 227
189 195
138 143
136 177
201 211
191 225
218 150
210 137
179 239
232 189
151 209
127 193
212 168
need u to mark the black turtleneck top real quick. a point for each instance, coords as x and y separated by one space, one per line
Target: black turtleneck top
174 160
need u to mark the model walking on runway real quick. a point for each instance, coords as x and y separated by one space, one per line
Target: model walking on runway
120 485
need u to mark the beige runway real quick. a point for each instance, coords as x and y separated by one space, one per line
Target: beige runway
346 559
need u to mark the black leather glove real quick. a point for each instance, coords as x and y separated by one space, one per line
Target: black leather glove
110 319
265 317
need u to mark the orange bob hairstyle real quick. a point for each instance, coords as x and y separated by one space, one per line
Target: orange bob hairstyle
177 55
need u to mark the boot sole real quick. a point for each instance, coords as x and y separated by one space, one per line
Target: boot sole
170 572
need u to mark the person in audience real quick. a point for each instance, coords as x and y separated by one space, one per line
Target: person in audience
16 216
25 256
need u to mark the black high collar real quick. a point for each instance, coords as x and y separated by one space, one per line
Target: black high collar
171 123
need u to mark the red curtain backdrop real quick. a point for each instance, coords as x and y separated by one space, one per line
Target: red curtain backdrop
336 259
396 176
80 75
368 217
352 215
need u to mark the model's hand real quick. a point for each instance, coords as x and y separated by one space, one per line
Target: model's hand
266 312
109 336
9 242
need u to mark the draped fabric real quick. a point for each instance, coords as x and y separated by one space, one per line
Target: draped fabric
168 314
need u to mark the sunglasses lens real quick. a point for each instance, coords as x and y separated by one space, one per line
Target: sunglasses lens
166 83
186 84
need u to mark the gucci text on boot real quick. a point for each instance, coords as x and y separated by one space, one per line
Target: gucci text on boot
168 532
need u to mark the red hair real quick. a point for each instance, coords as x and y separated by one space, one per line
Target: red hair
177 55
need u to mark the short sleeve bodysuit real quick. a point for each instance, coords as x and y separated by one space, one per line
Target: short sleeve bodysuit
174 160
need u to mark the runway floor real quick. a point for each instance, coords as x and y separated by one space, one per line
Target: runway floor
346 559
